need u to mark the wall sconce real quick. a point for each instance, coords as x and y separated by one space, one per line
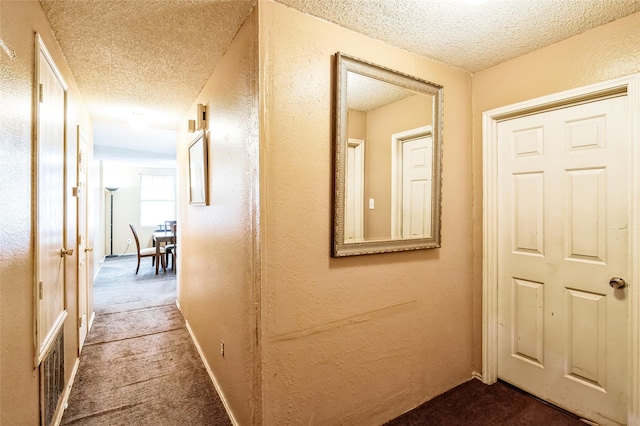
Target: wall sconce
201 118
9 51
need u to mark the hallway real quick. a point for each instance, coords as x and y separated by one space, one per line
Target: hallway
139 365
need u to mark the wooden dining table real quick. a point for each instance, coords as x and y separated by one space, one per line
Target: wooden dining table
162 238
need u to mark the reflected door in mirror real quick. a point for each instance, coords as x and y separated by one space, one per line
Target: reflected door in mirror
354 192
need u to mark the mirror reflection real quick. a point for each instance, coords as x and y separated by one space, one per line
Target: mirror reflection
387 160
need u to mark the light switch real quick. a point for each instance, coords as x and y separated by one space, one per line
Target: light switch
371 203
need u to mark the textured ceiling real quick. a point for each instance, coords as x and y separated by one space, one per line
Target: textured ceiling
148 56
367 94
154 56
468 37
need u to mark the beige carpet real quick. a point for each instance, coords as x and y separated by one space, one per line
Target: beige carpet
139 365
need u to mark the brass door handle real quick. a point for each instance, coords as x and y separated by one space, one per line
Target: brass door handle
617 283
87 249
66 252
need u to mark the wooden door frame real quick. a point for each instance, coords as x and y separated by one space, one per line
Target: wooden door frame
627 85
82 194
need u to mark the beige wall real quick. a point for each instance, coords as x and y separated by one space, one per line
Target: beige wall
355 340
606 52
18 378
356 124
217 262
126 206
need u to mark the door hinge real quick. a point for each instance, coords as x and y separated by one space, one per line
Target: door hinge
80 322
74 191
40 290
41 92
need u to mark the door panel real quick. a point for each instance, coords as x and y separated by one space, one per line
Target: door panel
528 215
416 187
528 336
50 203
563 209
586 331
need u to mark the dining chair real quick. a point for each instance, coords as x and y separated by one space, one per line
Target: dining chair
148 251
171 249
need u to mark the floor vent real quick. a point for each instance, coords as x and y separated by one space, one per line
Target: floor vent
52 379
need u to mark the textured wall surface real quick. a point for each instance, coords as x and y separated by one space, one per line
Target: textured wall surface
18 378
218 243
355 340
606 52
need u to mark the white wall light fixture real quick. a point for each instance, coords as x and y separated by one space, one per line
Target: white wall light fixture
201 118
138 121
9 51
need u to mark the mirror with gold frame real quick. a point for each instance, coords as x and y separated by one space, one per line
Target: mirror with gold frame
387 153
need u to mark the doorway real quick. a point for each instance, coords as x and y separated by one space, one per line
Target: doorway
354 192
561 189
50 310
411 183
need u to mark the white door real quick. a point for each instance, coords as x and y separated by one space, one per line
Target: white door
82 249
563 206
354 192
50 157
417 160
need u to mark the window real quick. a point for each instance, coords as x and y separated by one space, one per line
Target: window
157 199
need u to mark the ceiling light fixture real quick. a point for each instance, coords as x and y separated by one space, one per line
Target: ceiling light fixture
9 51
138 120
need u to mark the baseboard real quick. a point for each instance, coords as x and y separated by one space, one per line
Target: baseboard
57 419
210 372
476 375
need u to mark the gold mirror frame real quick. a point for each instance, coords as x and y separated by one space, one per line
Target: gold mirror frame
344 65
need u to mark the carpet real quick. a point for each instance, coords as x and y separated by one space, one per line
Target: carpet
117 288
475 404
139 365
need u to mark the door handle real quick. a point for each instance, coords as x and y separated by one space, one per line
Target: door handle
87 249
65 252
617 283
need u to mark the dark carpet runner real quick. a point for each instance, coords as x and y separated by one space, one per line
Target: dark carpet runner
476 404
